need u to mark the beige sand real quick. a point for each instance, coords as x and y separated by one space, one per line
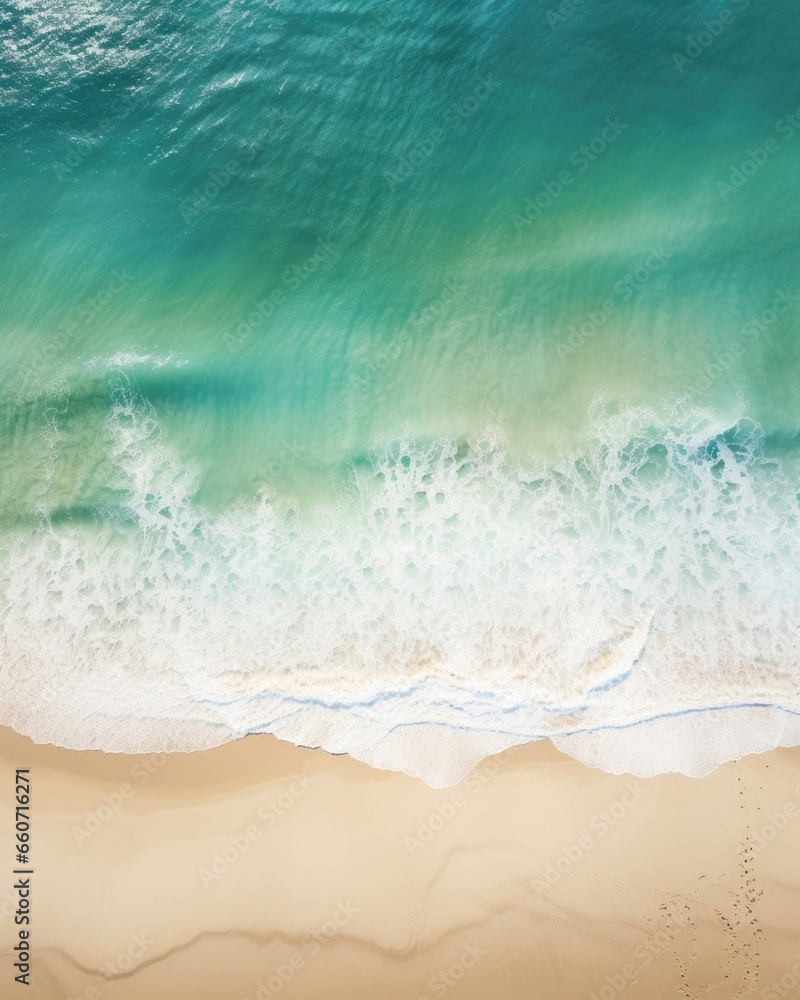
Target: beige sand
261 870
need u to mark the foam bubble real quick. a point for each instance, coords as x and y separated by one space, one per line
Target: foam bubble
453 603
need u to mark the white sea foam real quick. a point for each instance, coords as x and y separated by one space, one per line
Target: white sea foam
131 358
637 604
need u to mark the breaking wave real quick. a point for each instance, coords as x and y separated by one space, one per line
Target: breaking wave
636 603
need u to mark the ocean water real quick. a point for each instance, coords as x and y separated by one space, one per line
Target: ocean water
413 380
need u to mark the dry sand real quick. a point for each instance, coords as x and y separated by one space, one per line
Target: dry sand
262 870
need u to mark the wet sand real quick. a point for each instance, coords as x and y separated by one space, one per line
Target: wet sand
260 869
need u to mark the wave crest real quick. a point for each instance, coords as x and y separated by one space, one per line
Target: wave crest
452 598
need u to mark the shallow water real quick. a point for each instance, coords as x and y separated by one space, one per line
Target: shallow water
370 367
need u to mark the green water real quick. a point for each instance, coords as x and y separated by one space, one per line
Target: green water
300 123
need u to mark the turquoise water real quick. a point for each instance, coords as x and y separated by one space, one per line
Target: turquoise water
368 367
